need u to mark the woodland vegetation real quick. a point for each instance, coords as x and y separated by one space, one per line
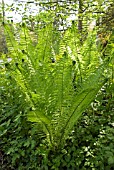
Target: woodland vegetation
57 86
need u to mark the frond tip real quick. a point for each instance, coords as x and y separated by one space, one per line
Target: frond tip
38 117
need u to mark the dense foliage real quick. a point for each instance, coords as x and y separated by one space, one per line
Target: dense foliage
49 78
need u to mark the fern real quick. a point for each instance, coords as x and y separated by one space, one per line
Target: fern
48 87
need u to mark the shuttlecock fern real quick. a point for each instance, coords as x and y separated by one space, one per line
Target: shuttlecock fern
55 104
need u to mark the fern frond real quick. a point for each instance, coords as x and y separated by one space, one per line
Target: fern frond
79 103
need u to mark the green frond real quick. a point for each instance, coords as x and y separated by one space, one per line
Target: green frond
37 116
79 103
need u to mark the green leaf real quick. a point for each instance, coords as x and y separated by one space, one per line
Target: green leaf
111 160
37 116
27 143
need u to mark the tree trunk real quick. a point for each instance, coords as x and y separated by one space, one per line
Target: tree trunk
80 11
